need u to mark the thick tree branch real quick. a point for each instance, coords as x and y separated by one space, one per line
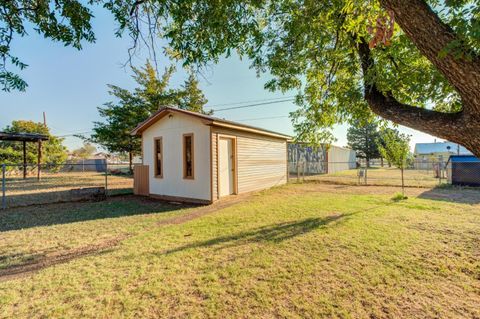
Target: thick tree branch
385 105
431 36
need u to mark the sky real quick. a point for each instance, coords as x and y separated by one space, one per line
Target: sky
68 85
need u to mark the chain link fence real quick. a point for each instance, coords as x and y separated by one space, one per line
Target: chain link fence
63 182
360 173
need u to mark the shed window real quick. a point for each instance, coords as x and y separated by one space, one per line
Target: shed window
158 160
188 158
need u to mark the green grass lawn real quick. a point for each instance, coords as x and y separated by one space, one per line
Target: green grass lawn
303 250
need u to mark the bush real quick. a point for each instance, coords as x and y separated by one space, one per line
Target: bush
398 197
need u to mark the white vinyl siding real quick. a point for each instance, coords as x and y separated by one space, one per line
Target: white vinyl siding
172 129
261 161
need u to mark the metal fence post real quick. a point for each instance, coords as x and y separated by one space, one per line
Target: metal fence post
4 199
298 171
438 172
303 170
106 178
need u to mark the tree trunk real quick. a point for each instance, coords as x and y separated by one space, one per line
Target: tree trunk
130 162
430 35
381 161
403 184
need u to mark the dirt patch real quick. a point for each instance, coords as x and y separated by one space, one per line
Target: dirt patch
45 261
204 210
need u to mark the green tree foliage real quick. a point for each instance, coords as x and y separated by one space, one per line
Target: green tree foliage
154 91
132 108
191 96
84 152
65 21
120 118
362 137
53 151
395 147
347 59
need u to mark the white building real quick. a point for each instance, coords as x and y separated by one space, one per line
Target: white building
194 157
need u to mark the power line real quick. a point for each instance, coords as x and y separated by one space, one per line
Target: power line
73 134
263 118
269 102
250 101
251 105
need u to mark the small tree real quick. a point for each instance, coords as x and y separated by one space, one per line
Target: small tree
84 152
396 149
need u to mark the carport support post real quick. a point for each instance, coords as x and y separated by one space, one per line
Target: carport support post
39 159
4 199
24 159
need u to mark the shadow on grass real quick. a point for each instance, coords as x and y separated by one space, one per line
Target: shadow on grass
455 194
273 233
64 213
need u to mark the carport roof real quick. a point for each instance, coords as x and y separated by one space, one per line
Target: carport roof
22 137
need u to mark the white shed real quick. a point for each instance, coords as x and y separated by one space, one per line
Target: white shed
193 157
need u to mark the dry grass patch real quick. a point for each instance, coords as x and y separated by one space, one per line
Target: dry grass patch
380 177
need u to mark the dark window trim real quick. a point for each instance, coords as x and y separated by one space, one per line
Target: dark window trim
155 159
185 156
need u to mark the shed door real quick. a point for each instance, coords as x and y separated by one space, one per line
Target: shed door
226 167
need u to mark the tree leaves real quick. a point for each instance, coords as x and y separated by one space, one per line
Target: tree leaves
133 107
66 21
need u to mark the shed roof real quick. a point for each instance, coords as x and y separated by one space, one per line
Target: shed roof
463 159
442 147
27 137
207 119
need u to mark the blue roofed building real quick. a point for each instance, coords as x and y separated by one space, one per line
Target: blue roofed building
429 155
463 170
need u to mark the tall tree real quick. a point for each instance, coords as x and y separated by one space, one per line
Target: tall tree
53 151
414 62
120 118
362 137
133 107
396 149
154 90
192 97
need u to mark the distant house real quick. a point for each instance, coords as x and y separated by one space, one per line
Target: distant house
463 170
323 159
428 155
193 157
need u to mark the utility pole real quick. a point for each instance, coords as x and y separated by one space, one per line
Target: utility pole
44 120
